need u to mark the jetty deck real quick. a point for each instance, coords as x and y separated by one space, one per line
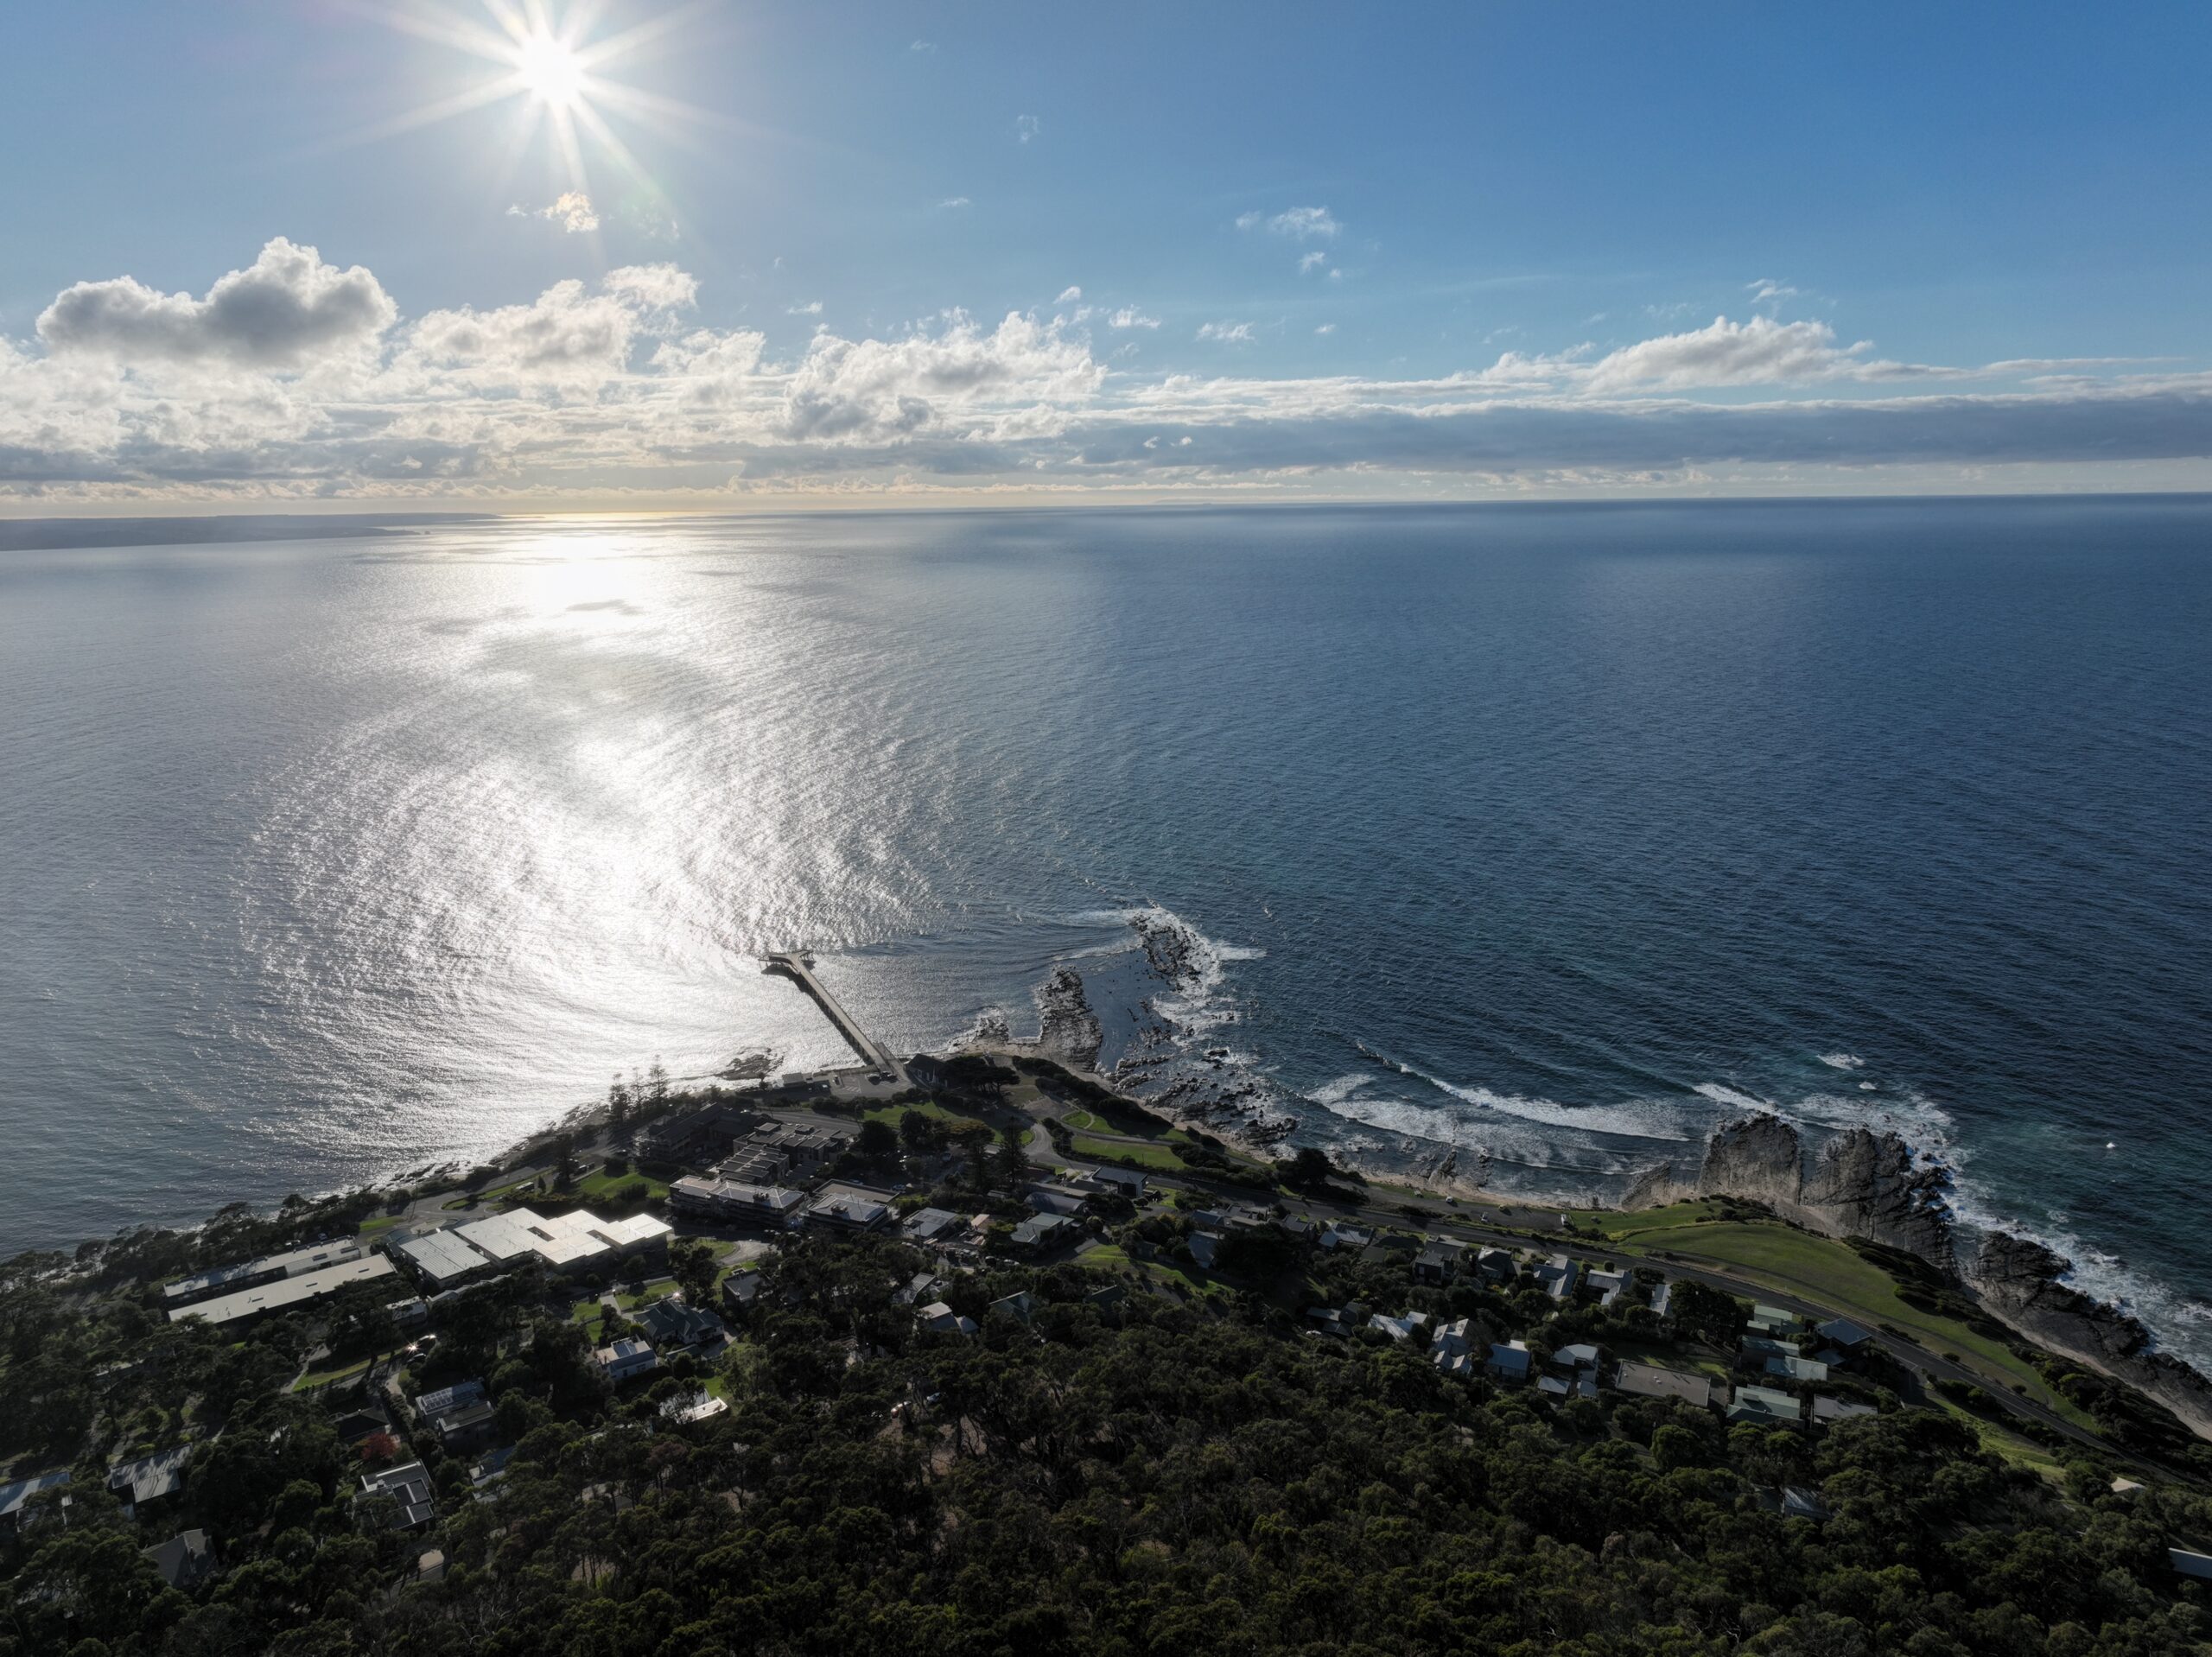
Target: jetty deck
794 965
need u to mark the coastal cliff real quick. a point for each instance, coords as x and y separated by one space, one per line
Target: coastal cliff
1862 1185
1866 1184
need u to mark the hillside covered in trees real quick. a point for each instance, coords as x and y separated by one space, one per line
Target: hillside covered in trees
1107 1472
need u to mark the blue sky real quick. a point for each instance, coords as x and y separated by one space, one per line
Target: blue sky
959 252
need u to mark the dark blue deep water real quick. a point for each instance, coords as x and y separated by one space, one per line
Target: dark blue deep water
1553 833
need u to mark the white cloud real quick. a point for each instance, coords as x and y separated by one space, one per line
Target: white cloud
1129 317
922 45
1027 127
1302 224
1326 327
876 391
812 308
1766 290
1069 295
1759 351
653 287
285 310
1312 261
955 201
565 335
1231 333
571 210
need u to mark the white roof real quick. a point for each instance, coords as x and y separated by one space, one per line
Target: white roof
442 1256
286 1291
505 1236
632 1230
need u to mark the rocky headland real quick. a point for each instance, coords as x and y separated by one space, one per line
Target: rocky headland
1867 1184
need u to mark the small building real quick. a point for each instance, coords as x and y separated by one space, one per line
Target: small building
1510 1360
2197 1566
1581 1355
1021 1306
1459 1346
1608 1286
13 1497
363 1422
409 1485
1843 1334
1777 1321
1043 1232
1559 1277
150 1478
627 1359
449 1400
1346 1236
1048 1197
1131 1182
928 1228
1662 1299
1764 1406
1496 1265
465 1430
1763 1346
740 1290
491 1467
921 1287
1829 1411
1436 1265
1798 1369
1650 1380
410 1313
669 1322
939 1318
184 1561
1205 1248
1404 1327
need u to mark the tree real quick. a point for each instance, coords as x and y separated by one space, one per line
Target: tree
618 1111
1307 1171
564 1161
917 1132
877 1142
1014 1157
692 1263
656 1083
1706 1314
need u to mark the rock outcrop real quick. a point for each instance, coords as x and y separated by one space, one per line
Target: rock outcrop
1068 1030
2021 1281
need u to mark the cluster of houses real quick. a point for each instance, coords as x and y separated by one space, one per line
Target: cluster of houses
772 1174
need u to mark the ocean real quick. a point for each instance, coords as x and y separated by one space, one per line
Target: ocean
1551 835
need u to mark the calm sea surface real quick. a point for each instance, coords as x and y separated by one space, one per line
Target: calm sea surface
1558 833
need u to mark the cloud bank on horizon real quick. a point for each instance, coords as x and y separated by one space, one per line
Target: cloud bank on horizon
294 377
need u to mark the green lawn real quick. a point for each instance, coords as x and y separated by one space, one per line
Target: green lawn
586 1311
601 1186
1145 1156
382 1223
953 1120
1832 1275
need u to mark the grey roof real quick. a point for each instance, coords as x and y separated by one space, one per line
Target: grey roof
409 1486
447 1399
1040 1228
12 1496
151 1476
925 1225
668 1319
1650 1380
1840 1409
285 1293
1841 1331
184 1558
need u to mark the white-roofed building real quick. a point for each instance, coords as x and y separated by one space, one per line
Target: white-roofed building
285 1294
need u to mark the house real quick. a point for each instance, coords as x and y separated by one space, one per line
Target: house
1510 1360
491 1467
689 1409
1558 1277
740 1290
1608 1286
668 1321
1042 1232
927 1228
1495 1265
1650 1380
923 1286
850 1209
449 1400
1763 1346
410 1313
1344 1236
13 1496
1796 1501
1205 1247
1844 1335
1330 1320
184 1560
2125 1489
1053 1198
1459 1348
1797 1369
409 1486
1662 1299
1021 1305
2186 1564
150 1478
1776 1321
1436 1264
356 1424
1764 1406
1829 1411
465 1430
1581 1355
627 1359
939 1318
1298 1227
1403 1327
1130 1182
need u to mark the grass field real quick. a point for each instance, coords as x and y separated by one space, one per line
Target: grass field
586 1311
1145 1156
601 1186
316 1377
1830 1273
953 1120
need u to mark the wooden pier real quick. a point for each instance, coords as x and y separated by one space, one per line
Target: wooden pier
795 965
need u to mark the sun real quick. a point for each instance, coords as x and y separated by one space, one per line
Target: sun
550 71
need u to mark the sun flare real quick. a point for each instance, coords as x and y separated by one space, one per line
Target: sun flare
550 71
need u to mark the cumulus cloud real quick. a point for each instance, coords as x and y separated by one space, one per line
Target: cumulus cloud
1312 261
812 308
1069 295
1301 223
1027 127
571 210
877 390
1761 352
285 310
126 393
